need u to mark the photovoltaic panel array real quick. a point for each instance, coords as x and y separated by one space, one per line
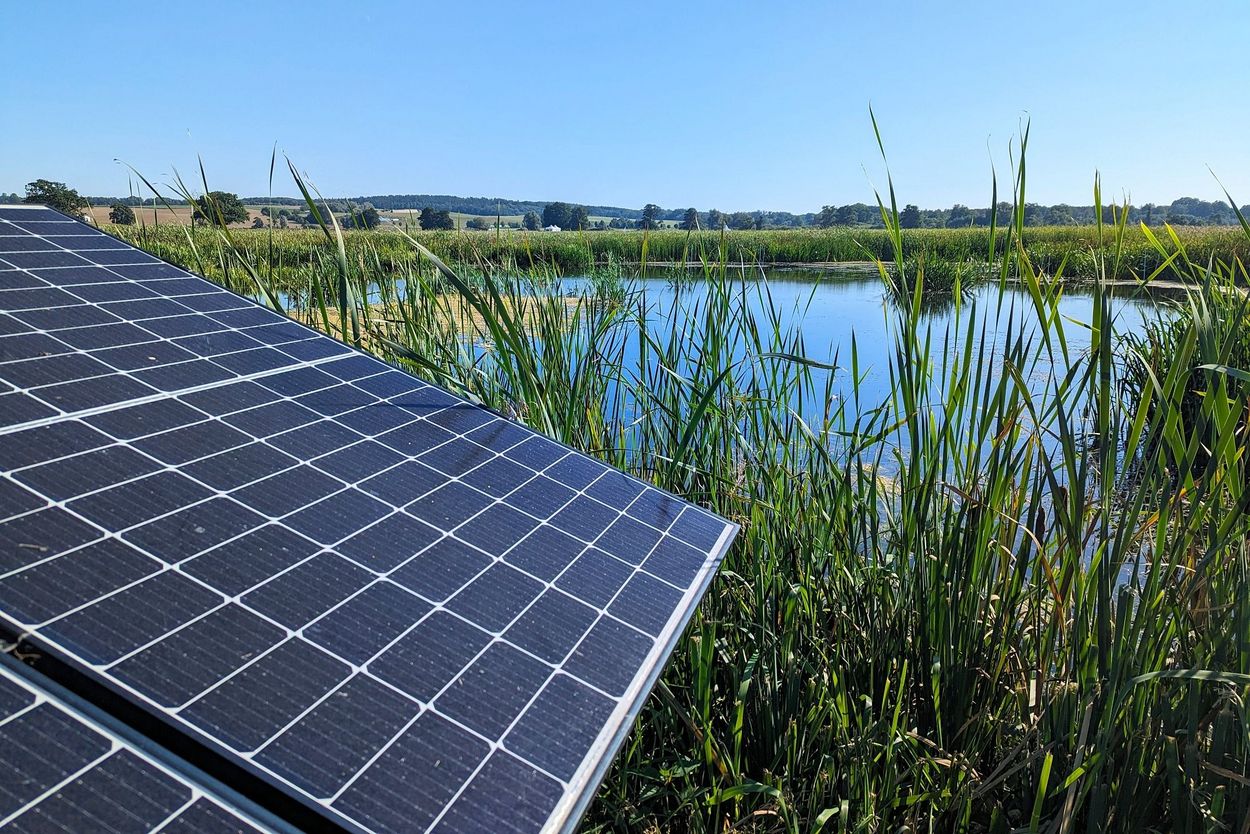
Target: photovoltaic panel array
66 772
327 580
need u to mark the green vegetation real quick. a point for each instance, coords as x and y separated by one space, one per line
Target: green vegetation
436 220
219 207
566 216
56 195
1074 253
1012 595
121 215
362 218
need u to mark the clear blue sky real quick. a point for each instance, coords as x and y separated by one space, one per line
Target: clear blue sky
731 105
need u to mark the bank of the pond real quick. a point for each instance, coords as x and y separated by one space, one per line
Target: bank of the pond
288 257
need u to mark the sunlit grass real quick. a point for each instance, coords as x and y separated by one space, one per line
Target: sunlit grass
1011 595
290 254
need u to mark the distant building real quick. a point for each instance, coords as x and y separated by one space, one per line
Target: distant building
552 228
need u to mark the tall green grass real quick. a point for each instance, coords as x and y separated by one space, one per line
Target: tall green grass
1074 252
1011 595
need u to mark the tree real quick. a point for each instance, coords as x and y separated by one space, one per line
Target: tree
827 217
1060 215
56 195
431 219
650 217
121 214
363 218
741 220
715 220
556 214
219 207
531 221
690 220
1177 218
910 218
848 215
578 219
478 224
960 216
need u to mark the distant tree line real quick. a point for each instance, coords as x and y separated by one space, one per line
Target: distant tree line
1186 211
435 212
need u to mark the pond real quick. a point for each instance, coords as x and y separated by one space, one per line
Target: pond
832 307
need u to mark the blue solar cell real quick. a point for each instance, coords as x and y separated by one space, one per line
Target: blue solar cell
430 656
595 577
30 346
117 625
400 485
257 702
207 650
28 243
389 543
442 569
559 727
506 796
38 260
49 747
308 590
607 656
55 587
644 603
552 626
449 506
491 692
406 788
14 500
246 561
36 536
495 597
545 553
315 755
97 392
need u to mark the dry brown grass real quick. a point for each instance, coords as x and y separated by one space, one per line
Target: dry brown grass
453 314
163 215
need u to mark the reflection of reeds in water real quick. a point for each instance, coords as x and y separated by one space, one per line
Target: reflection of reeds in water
999 598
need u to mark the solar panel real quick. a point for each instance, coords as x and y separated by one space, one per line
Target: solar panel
339 589
64 771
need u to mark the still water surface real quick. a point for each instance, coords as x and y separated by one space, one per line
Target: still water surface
829 308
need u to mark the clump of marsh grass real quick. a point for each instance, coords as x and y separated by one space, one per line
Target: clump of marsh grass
1011 595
